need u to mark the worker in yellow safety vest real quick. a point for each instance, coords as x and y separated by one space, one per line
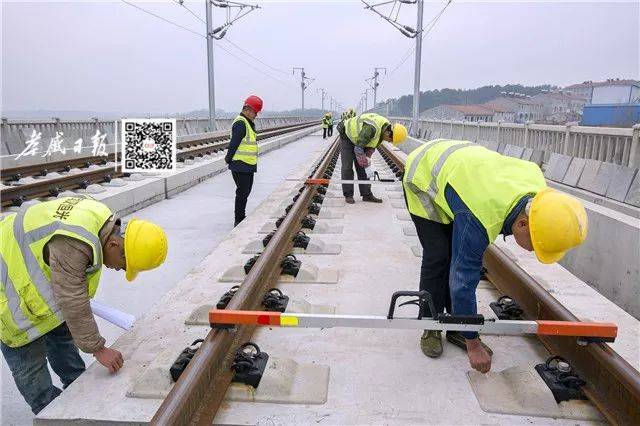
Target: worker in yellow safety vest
51 257
461 196
359 138
325 125
242 154
330 125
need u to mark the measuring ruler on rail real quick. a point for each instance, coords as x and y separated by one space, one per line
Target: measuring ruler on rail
591 331
311 181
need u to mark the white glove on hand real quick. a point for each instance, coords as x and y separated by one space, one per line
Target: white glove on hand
369 171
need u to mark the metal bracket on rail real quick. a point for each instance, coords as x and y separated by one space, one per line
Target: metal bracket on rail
267 238
301 240
559 376
314 208
275 300
249 364
308 222
250 263
183 359
226 298
290 265
506 308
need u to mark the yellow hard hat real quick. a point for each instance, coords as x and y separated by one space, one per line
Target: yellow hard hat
145 247
557 223
399 133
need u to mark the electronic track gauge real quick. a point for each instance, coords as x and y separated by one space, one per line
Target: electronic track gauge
586 332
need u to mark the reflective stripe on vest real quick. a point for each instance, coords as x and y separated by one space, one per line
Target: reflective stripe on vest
27 295
488 183
353 126
427 198
247 151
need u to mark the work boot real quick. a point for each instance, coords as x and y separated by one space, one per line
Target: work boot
349 200
431 343
459 340
371 198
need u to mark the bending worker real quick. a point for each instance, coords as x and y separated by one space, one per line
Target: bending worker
51 256
242 155
461 196
359 138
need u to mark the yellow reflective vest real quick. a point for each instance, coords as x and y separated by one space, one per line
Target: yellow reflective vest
325 121
28 308
490 184
247 151
353 126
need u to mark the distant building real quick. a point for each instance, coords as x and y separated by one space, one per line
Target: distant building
610 91
522 107
560 107
460 113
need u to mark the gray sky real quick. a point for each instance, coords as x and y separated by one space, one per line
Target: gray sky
109 56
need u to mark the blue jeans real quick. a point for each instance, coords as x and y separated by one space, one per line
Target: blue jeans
452 259
28 365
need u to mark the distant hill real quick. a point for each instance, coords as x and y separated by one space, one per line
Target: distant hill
403 106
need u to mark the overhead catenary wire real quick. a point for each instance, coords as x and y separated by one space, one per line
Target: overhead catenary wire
181 3
430 25
163 19
254 57
203 36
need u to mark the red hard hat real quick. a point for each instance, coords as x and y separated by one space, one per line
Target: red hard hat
254 102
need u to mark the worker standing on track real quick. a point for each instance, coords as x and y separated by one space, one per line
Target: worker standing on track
359 137
51 256
325 125
461 196
330 123
242 155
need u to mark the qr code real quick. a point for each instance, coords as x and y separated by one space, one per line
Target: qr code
148 145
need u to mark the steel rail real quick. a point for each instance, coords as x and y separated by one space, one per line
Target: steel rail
215 141
16 194
198 394
613 385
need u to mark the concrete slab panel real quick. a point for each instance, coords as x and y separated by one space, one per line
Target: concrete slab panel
620 183
574 171
396 195
513 151
526 154
394 188
589 174
557 167
537 156
308 274
501 147
492 145
284 381
602 180
519 390
399 205
403 216
633 196
409 231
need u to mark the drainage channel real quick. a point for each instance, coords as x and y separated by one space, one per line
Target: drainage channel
612 384
199 392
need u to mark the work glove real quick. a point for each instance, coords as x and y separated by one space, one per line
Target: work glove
361 157
370 172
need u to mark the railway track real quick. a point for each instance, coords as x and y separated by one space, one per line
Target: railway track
197 395
100 169
613 385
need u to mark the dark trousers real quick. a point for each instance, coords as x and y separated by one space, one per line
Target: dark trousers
324 132
330 131
348 161
435 239
244 183
28 365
